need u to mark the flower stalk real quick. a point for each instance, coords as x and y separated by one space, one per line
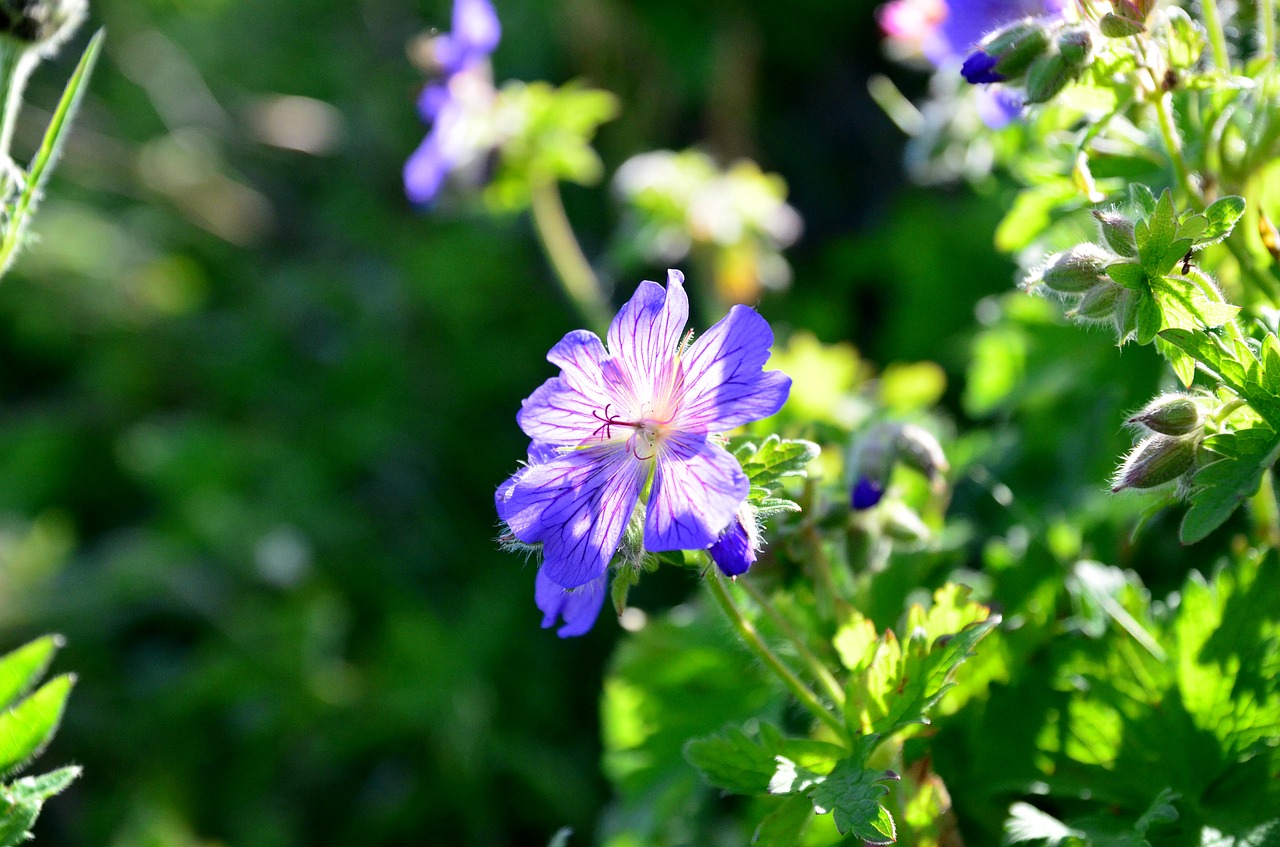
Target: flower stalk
751 637
565 255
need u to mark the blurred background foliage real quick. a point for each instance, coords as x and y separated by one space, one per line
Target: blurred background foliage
254 407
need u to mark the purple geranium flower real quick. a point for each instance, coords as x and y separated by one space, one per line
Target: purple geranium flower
980 67
640 414
969 21
447 104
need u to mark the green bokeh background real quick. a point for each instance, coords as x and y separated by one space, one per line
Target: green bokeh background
253 407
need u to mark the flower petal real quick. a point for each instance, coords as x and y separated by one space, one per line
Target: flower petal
476 28
578 608
645 333
724 384
697 489
577 505
426 170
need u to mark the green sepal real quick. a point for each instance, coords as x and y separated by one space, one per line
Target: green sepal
21 669
27 728
23 799
1129 274
1142 200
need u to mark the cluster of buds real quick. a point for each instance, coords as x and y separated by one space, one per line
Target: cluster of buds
876 454
1079 276
1039 55
1171 428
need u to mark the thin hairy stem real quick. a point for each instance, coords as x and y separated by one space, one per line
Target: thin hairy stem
1267 17
812 662
751 637
566 257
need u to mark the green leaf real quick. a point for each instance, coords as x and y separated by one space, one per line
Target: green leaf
777 458
760 763
1184 367
1129 274
1185 305
50 147
1222 214
1032 213
785 825
27 728
1114 26
1234 365
1223 484
1142 200
852 794
1027 823
22 669
1157 240
1149 320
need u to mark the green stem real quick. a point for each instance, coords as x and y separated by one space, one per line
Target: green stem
1267 12
751 637
566 257
1217 38
815 665
1163 102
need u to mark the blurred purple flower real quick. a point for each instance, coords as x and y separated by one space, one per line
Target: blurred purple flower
866 493
461 55
644 409
998 106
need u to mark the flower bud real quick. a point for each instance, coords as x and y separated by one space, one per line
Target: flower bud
735 550
1099 304
40 22
1172 414
1119 26
1016 48
1078 270
919 449
1047 76
1117 231
1074 46
979 66
871 464
1156 460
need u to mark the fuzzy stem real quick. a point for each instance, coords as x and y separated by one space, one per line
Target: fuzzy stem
1217 38
566 257
1163 103
815 665
751 637
16 63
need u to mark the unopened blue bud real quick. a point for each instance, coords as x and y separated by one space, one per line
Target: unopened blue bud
735 550
979 67
866 493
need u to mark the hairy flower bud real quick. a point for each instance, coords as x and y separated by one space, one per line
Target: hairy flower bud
1156 460
901 523
919 449
1099 304
1017 47
1047 76
1074 46
1117 231
1119 26
1078 270
1172 414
